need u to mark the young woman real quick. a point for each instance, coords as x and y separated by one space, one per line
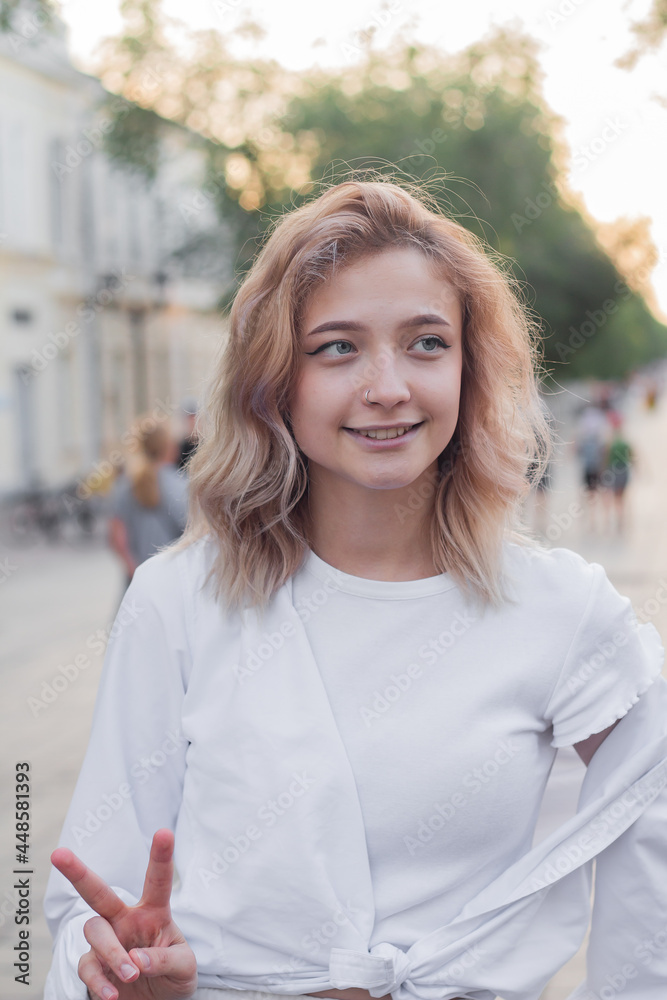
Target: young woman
339 697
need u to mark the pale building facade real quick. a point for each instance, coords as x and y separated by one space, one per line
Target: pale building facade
98 322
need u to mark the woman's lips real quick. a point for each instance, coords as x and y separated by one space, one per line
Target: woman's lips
375 443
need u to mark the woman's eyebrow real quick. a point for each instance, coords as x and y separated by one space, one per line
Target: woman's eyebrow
345 324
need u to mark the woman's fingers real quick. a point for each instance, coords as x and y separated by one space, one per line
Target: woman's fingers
177 962
101 937
107 957
92 973
95 891
90 886
160 871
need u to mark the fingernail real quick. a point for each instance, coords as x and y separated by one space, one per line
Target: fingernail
108 993
144 959
128 971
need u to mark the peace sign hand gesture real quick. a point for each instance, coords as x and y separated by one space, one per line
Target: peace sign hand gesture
136 952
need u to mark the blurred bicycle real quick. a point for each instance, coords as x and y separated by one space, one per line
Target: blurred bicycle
41 514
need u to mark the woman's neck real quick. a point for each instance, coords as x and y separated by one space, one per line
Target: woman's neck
377 534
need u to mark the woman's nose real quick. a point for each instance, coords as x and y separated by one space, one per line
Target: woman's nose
387 380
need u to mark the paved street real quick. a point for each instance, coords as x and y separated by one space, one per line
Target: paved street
55 598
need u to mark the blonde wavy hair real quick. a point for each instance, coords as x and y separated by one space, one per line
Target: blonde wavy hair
249 479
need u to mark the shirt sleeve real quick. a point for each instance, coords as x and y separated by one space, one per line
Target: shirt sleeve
611 662
131 781
627 947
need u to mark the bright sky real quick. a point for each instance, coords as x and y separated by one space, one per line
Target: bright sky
616 130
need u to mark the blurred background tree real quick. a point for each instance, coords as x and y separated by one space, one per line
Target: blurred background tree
473 128
480 116
27 17
649 33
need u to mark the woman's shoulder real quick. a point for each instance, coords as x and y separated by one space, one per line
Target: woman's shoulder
176 573
533 571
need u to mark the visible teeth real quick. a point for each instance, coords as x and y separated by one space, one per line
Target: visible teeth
391 432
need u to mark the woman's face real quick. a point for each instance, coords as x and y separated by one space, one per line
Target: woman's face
387 324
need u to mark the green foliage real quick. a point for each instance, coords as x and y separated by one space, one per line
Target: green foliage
7 11
471 129
486 153
626 339
36 14
443 127
133 139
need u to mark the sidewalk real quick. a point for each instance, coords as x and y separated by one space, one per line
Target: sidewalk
53 604
55 599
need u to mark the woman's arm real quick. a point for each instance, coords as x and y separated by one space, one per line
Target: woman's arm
627 948
131 780
119 543
586 748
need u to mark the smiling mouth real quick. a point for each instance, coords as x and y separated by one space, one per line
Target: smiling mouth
383 433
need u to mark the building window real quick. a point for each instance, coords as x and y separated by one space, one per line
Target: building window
17 181
65 400
56 156
118 398
24 431
134 207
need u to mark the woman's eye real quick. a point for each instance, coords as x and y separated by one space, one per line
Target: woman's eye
334 343
431 344
341 348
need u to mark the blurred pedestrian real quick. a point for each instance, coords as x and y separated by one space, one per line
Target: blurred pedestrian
620 457
592 443
651 394
189 443
149 502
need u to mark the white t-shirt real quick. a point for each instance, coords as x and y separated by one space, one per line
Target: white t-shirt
302 788
448 728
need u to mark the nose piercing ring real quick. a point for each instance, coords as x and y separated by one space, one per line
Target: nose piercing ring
366 396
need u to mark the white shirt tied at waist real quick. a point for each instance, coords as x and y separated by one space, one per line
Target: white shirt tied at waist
536 913
248 908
